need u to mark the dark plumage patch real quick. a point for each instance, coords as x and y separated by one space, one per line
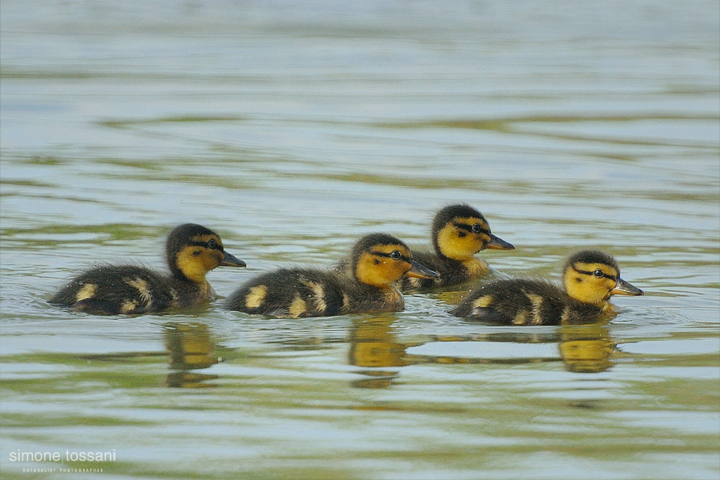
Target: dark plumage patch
525 302
360 285
128 289
116 289
289 292
592 256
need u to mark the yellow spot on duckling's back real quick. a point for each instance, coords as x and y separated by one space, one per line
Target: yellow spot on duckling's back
483 302
128 306
142 287
520 318
536 301
565 315
87 291
256 296
318 294
297 307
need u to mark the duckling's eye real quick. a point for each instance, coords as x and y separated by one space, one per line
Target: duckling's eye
476 228
395 255
599 273
212 244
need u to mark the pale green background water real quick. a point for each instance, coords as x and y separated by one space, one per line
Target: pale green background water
293 128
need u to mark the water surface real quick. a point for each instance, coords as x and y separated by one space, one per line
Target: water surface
294 128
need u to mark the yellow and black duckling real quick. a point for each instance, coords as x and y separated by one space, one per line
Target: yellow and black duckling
458 233
378 261
191 250
590 278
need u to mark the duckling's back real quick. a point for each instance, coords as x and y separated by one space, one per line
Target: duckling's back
304 292
296 292
524 302
116 289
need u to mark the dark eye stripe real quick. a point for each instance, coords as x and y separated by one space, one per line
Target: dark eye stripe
215 246
606 275
389 255
469 228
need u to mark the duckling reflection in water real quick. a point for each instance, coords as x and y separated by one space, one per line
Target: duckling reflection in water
590 278
586 348
458 233
191 252
373 343
191 347
378 261
374 348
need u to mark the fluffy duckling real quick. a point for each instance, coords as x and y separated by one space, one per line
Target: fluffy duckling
458 233
590 278
378 261
191 251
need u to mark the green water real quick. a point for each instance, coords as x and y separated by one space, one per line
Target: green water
292 130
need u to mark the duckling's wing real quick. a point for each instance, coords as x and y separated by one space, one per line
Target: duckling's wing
514 301
295 293
126 289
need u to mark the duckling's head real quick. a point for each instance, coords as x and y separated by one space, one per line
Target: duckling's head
380 260
593 277
460 231
193 250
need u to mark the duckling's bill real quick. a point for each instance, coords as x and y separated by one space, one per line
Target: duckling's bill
230 260
497 243
420 271
624 288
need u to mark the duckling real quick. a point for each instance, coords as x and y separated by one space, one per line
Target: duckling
378 261
458 233
191 251
590 278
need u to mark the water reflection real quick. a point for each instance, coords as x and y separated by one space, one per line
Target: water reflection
191 347
582 349
375 347
374 344
586 348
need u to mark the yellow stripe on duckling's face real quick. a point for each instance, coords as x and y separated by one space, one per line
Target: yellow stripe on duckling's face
463 237
196 259
590 282
376 266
